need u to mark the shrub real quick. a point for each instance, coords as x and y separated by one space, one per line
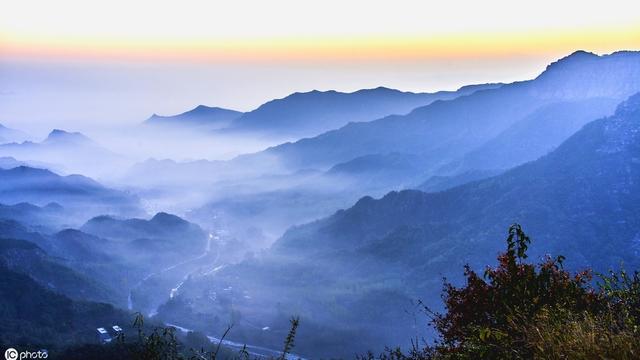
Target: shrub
488 316
519 310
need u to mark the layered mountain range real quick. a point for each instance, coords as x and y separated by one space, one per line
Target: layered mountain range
305 114
75 193
445 130
426 182
63 151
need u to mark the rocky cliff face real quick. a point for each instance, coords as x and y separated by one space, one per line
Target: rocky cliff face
584 74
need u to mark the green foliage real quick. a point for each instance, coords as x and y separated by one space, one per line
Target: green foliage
161 344
517 244
622 292
289 341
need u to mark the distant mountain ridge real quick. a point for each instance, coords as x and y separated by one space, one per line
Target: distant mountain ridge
201 117
63 151
303 114
299 108
311 113
450 142
75 192
8 162
50 216
445 130
435 147
584 74
57 136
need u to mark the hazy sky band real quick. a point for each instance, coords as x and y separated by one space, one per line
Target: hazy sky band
84 63
305 30
337 49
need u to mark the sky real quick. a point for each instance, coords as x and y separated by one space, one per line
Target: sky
87 64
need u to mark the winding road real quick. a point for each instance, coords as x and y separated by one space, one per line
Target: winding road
205 253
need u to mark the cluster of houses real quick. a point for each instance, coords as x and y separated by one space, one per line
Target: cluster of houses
106 336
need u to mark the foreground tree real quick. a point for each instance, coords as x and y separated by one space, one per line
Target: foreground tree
519 310
489 316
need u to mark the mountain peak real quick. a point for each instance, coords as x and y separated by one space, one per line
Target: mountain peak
571 59
58 132
167 219
583 74
578 54
204 107
381 89
201 115
581 57
62 135
210 110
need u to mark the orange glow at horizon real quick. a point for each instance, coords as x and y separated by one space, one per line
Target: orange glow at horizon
346 49
329 31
